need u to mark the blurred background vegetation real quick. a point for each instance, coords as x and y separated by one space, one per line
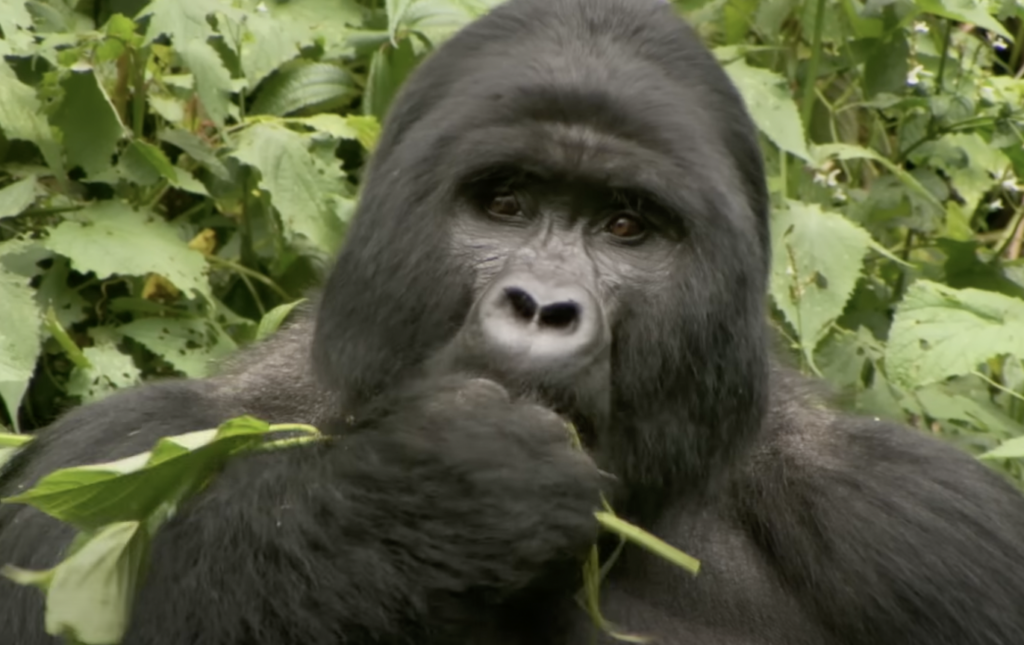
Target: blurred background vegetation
176 174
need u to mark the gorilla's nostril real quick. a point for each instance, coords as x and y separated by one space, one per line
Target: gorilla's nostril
522 303
559 314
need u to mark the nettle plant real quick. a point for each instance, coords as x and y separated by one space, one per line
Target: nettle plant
173 176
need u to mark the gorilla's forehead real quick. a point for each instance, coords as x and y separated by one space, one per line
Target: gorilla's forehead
574 92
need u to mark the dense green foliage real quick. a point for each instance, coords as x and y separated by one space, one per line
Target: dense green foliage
174 175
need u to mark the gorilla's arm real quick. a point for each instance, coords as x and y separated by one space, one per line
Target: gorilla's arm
892 536
441 502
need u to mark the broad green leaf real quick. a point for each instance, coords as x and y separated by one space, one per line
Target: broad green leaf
303 85
196 148
885 70
436 20
844 151
309 21
89 594
145 164
271 322
183 20
89 122
1011 449
187 344
771 106
110 238
16 25
969 11
940 403
108 371
20 340
816 261
21 117
134 488
368 130
10 444
969 161
265 47
288 172
940 332
18 196
213 81
389 67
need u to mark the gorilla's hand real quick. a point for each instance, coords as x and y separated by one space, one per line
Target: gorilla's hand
487 492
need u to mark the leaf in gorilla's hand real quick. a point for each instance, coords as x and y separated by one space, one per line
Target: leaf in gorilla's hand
89 595
940 332
119 506
11 444
816 261
132 489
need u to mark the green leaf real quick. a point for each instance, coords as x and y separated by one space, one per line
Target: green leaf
196 148
816 261
110 238
20 340
183 20
303 85
213 81
89 122
436 20
940 332
323 21
187 344
969 11
134 488
844 151
145 164
10 444
1011 449
265 47
108 371
389 67
288 172
885 70
771 106
89 595
271 322
21 117
17 197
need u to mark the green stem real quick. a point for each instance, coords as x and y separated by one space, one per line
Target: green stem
810 80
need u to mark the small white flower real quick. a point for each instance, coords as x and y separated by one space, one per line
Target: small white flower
995 205
921 26
913 76
999 44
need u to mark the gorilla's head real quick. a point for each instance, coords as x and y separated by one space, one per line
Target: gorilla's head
579 213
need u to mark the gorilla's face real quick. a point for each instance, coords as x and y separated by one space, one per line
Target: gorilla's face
586 227
554 262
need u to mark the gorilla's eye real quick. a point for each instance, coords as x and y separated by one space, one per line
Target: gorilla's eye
504 205
626 227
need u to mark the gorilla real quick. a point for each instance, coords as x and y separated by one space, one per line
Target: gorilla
566 220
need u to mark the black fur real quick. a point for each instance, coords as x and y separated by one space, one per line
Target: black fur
451 509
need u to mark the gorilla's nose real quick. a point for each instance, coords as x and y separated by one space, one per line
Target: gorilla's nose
541 324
